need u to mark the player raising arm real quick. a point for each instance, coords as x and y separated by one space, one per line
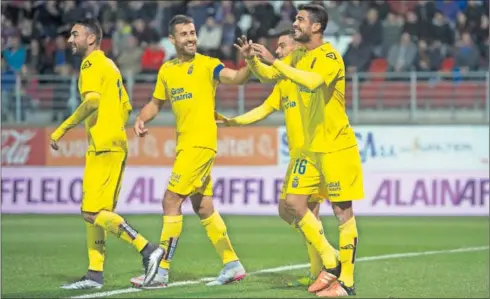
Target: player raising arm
330 158
189 82
283 99
105 109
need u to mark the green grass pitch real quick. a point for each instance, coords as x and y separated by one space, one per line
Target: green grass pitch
39 253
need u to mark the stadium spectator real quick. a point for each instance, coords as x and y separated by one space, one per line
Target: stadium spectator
429 58
392 30
111 12
449 9
425 11
70 14
145 10
412 26
198 10
8 89
130 60
62 55
152 58
120 37
441 31
15 54
382 7
209 37
473 12
61 92
401 57
335 11
466 56
286 19
371 29
461 25
8 28
358 56
481 35
144 33
353 14
231 32
35 61
402 6
49 16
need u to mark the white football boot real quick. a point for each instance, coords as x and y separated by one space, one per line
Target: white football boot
83 283
160 281
232 271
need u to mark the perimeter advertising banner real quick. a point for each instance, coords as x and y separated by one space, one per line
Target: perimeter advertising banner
249 191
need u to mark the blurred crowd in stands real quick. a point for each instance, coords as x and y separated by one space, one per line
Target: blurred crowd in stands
410 35
374 36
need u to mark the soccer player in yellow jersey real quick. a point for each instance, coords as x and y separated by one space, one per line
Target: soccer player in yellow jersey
284 98
189 83
105 108
329 162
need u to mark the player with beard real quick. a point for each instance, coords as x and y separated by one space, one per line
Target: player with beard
329 161
105 108
283 99
189 82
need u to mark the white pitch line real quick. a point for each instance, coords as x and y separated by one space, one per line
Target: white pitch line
287 268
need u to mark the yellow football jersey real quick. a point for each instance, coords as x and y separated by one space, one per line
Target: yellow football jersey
190 87
284 97
326 124
105 127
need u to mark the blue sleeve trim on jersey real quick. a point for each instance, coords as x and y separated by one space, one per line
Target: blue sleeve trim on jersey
217 70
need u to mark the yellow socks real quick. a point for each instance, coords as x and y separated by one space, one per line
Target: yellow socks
313 232
348 246
96 237
172 228
216 231
316 263
116 225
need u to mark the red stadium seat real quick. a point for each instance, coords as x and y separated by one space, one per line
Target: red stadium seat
447 64
106 45
378 66
229 64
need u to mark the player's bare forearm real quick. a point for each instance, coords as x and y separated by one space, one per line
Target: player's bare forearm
150 110
86 108
233 77
262 71
254 115
309 80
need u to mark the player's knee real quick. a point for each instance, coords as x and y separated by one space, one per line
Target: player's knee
343 211
296 205
314 207
172 203
202 206
283 212
89 217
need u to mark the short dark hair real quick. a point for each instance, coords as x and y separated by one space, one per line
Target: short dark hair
93 26
288 32
179 19
317 13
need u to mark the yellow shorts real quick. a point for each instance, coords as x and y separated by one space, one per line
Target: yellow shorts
102 180
191 173
334 176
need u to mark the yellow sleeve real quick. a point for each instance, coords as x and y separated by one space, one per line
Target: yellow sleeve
264 72
160 91
254 115
91 78
272 103
88 106
274 99
324 71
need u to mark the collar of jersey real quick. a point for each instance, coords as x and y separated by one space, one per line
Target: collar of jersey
94 53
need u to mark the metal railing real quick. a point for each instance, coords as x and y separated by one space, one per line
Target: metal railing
370 97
